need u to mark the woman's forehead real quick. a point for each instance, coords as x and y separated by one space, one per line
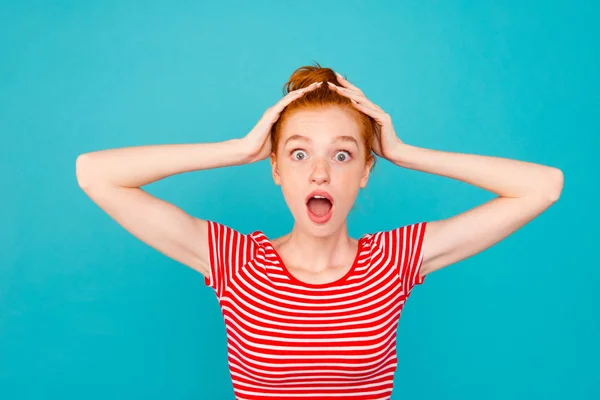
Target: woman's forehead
326 139
328 123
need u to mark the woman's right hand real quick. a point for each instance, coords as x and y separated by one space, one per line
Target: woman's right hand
257 142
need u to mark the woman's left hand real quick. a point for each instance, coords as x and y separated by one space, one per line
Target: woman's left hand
386 141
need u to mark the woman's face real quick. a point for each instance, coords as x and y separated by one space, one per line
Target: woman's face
320 149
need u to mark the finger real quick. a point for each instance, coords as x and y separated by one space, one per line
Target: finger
345 83
272 114
374 113
371 110
296 94
357 97
300 92
347 90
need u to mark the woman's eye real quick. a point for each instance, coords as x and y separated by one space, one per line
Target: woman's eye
342 155
298 154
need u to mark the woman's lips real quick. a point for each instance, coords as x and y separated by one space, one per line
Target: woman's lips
321 193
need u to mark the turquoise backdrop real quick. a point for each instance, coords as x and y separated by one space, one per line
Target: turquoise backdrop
87 311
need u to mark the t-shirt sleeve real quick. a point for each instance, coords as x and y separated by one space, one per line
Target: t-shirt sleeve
228 250
406 247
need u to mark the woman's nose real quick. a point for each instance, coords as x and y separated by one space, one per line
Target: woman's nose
320 172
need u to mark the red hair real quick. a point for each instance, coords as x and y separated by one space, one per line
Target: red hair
323 97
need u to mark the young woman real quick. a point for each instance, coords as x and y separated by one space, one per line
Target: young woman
315 312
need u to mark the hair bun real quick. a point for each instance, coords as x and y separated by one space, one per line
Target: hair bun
307 75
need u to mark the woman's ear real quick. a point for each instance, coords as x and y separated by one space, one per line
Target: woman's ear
275 169
366 172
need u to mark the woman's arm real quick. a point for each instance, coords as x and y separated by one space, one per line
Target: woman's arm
134 167
503 176
525 190
113 179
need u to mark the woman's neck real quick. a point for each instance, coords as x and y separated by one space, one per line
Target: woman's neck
302 250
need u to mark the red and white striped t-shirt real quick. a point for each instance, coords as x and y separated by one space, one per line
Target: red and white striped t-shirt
288 339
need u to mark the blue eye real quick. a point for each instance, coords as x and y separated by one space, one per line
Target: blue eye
297 152
343 158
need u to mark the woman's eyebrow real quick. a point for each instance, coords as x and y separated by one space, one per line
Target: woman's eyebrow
343 138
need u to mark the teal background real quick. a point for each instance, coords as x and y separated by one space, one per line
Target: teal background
89 311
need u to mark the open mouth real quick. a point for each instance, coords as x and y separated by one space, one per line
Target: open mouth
319 208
